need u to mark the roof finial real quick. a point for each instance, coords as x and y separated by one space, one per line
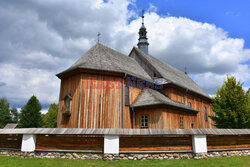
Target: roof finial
98 37
185 69
142 16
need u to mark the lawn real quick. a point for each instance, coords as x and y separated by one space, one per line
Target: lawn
29 162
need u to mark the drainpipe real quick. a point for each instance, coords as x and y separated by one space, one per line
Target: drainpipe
123 94
133 117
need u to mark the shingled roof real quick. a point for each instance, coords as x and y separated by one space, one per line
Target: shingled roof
101 57
171 74
150 97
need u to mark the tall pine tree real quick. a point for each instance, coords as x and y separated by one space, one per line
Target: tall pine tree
5 116
50 118
30 116
231 105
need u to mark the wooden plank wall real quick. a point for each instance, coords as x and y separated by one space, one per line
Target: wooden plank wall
155 143
70 85
198 103
11 141
70 142
96 102
228 142
101 101
165 117
134 92
155 119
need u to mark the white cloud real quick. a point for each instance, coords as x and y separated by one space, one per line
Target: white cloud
22 83
41 38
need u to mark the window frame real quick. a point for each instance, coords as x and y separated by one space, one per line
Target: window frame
181 122
144 121
189 104
126 95
205 113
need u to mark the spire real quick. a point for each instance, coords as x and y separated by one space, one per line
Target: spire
143 40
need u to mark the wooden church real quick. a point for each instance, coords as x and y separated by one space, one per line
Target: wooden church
107 89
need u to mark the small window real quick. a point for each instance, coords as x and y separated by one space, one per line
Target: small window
126 95
144 121
205 110
192 125
154 75
189 105
67 100
181 123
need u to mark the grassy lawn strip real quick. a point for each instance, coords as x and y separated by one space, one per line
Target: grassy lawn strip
45 162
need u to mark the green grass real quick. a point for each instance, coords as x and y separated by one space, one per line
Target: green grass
30 162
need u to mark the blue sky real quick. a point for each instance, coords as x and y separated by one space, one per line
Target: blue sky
42 38
231 15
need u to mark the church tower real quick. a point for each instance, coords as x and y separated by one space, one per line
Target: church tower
143 40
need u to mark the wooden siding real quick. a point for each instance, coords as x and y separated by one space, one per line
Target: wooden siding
13 141
69 142
228 142
97 103
70 85
134 92
165 118
101 101
155 143
198 103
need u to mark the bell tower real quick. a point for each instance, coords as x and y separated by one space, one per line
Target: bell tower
143 40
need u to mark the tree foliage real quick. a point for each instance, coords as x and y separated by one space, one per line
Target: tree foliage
14 115
5 116
30 116
50 118
231 105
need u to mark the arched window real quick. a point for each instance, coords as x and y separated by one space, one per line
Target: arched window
144 121
189 104
205 111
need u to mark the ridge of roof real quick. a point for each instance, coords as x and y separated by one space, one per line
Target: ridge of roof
171 74
150 97
101 57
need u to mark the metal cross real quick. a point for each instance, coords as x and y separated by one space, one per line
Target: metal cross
185 69
98 37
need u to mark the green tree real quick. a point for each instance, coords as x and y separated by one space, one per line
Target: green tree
14 115
231 105
30 116
5 116
50 118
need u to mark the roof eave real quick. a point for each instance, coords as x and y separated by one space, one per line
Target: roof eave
147 105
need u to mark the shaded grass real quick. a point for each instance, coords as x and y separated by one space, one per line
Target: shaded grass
45 162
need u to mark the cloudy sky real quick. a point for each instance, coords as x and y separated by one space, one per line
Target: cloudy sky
40 38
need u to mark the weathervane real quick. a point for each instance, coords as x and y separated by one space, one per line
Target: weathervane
98 37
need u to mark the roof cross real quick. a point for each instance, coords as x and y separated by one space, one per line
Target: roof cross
98 37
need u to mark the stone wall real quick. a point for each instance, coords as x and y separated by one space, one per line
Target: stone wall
124 156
